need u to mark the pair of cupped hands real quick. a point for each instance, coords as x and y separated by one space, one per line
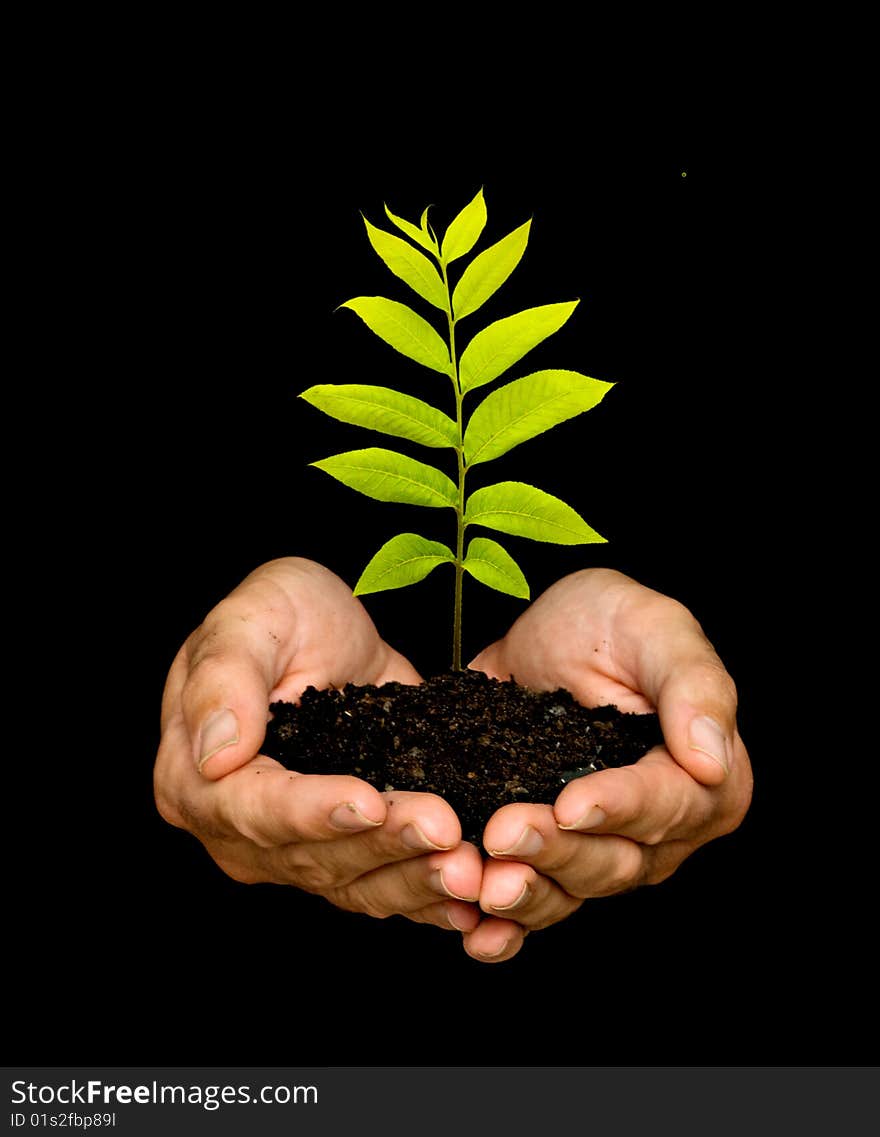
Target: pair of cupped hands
292 624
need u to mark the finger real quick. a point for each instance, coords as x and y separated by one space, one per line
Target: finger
697 708
675 665
449 915
584 866
651 801
494 940
413 885
246 863
516 891
231 665
272 806
415 824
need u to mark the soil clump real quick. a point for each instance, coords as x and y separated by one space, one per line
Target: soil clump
480 743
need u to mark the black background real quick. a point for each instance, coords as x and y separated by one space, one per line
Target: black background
194 258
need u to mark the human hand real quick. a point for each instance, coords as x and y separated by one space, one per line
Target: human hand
608 639
289 625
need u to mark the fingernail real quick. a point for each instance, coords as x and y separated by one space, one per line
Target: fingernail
529 842
593 817
707 736
347 816
493 954
438 882
518 903
220 731
414 838
450 916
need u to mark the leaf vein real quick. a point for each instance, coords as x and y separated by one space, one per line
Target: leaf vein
520 513
514 422
409 561
505 572
396 477
391 411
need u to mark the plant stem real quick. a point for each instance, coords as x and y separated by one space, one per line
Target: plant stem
462 470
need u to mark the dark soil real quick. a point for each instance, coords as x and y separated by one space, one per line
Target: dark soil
477 742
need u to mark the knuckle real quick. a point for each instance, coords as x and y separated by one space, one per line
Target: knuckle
625 871
736 810
547 918
711 676
242 874
413 889
251 812
743 802
664 861
653 835
670 608
672 817
168 808
182 813
658 611
167 787
308 872
565 863
212 646
207 666
355 898
248 825
381 895
367 905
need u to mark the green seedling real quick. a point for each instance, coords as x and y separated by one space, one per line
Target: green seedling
520 410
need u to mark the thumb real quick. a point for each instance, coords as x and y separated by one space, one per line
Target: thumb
697 709
225 702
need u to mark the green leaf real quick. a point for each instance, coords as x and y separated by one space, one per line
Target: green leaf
380 408
494 566
524 511
526 408
488 271
403 560
407 263
420 236
464 230
503 343
403 329
389 476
